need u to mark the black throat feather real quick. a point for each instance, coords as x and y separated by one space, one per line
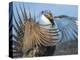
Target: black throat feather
51 20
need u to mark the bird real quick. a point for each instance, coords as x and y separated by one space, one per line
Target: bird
27 38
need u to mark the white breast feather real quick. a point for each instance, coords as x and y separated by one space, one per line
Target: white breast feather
45 20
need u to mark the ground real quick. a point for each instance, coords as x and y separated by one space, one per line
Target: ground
67 48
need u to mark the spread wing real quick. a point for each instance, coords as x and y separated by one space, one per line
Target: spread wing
68 28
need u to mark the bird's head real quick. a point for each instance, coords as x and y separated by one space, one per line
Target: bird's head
47 16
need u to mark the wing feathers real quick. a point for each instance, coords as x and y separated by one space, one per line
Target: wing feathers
68 28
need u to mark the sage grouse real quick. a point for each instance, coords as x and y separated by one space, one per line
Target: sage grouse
29 38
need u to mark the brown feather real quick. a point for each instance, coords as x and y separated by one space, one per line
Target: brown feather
35 35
